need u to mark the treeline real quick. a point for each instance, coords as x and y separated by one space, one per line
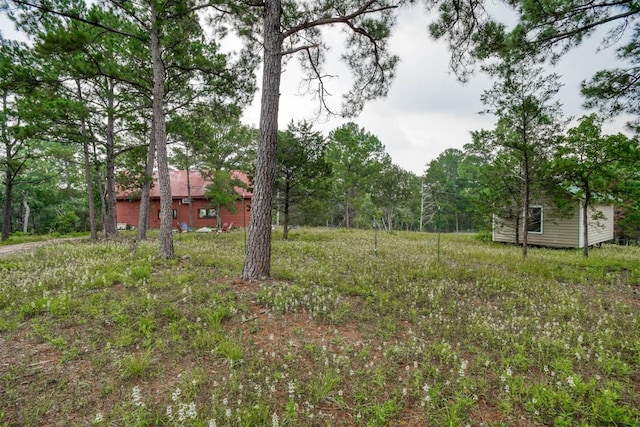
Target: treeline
104 93
97 94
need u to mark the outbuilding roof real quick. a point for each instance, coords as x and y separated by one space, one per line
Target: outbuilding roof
198 183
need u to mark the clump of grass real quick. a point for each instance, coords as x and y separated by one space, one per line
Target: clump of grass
136 365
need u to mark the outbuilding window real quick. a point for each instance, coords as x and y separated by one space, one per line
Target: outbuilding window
535 220
206 213
174 213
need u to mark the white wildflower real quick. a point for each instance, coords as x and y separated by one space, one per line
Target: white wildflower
291 386
192 412
136 397
463 368
570 381
170 412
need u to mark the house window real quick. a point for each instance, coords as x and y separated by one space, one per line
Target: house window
206 213
535 220
175 213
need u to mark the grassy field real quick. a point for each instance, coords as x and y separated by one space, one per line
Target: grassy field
349 332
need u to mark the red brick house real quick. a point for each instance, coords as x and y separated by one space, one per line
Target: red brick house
204 213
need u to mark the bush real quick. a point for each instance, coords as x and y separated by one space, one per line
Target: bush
484 236
66 222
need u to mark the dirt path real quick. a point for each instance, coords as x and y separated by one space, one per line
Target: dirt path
26 247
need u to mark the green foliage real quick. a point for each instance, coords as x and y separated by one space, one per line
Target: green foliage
302 171
592 166
356 157
213 140
519 150
449 187
547 30
65 222
222 190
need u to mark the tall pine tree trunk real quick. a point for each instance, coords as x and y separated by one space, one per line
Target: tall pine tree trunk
526 202
143 213
8 202
166 209
189 197
110 226
101 188
87 171
285 221
90 190
257 262
8 184
585 221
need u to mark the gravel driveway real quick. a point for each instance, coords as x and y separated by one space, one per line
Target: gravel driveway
26 247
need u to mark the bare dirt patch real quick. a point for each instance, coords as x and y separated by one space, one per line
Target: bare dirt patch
20 248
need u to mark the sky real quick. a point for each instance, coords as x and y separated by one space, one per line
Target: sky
427 109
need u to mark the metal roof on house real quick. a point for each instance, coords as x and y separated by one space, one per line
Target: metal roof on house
198 183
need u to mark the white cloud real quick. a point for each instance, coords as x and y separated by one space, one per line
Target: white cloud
8 29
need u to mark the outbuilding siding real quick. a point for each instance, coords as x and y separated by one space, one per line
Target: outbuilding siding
127 207
600 229
559 232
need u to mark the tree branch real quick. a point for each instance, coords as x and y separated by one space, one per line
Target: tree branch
76 18
363 10
300 48
550 40
321 89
